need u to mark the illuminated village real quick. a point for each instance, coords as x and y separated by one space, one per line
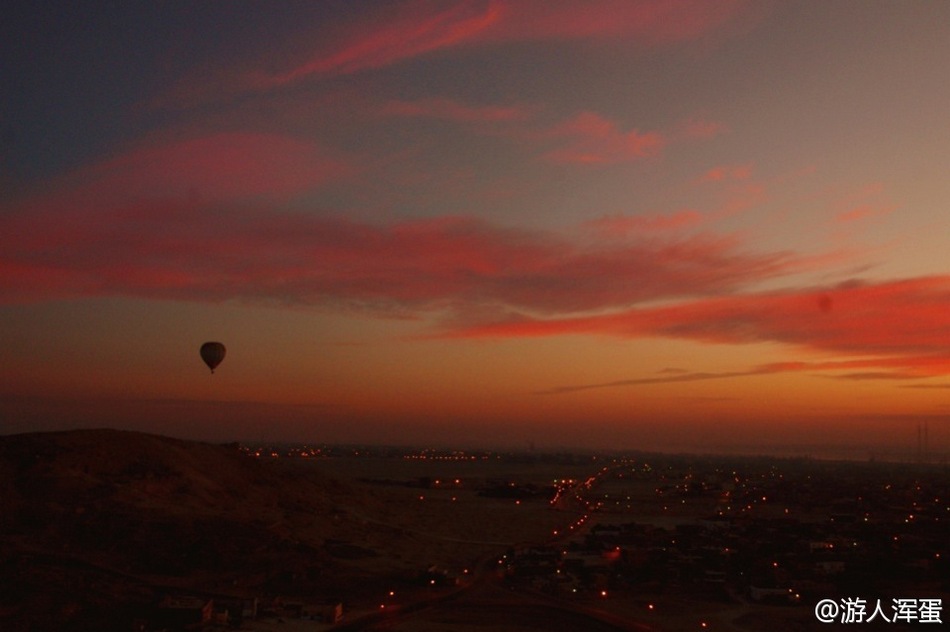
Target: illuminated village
741 539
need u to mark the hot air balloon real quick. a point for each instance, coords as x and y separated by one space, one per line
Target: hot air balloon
212 353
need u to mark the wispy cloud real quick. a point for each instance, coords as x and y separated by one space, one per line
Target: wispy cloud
199 253
726 172
650 22
891 330
209 218
624 225
217 167
588 138
862 204
418 29
397 32
451 110
665 379
863 212
700 128
902 368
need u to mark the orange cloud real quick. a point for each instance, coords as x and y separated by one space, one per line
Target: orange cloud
902 326
886 368
862 212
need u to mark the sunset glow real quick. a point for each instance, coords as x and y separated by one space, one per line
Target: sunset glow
661 225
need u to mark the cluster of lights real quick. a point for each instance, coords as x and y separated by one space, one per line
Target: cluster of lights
452 456
305 452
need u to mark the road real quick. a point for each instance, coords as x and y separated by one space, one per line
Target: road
486 601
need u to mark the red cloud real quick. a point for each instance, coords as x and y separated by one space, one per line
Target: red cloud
592 139
393 33
198 219
191 251
902 325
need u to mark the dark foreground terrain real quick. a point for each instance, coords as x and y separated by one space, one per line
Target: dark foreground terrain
99 528
110 530
96 524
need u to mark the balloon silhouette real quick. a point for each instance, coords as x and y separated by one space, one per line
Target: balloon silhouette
212 353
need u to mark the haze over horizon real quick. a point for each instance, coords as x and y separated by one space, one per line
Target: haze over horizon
659 225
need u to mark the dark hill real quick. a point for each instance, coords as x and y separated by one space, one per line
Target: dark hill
95 521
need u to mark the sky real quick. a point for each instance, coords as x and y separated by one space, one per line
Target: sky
671 225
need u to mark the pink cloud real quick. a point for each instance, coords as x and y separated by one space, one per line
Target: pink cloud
393 33
586 138
418 30
591 139
218 167
200 219
390 34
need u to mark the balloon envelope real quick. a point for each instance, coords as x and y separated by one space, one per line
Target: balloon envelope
212 353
